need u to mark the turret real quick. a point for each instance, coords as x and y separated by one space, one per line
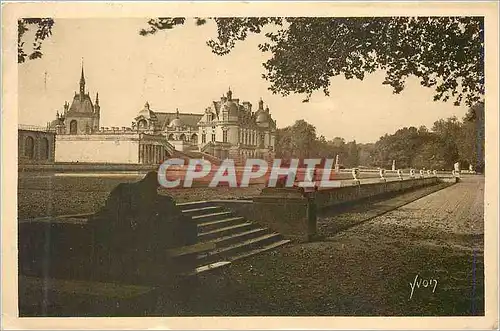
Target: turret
261 104
82 84
97 114
66 107
97 108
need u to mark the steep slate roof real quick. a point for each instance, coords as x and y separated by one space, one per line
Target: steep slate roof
190 119
83 105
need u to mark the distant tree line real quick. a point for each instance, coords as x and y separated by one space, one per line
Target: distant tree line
448 141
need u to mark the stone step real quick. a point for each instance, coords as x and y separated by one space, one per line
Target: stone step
260 250
226 253
217 224
209 267
194 204
225 231
200 219
239 236
202 210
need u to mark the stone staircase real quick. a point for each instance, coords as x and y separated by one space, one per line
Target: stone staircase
234 237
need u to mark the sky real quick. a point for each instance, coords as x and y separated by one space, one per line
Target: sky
175 69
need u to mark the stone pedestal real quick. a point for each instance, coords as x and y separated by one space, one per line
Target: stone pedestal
288 211
126 241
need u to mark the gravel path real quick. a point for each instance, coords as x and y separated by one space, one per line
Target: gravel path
365 269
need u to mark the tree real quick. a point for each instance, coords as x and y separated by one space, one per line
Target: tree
352 155
303 136
444 53
43 29
471 145
367 154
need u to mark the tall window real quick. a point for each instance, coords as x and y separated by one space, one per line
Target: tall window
224 136
194 138
73 127
203 138
44 149
143 124
29 147
213 136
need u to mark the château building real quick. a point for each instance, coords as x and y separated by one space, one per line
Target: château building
82 117
227 128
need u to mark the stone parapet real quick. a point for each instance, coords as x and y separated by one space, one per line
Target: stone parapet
292 212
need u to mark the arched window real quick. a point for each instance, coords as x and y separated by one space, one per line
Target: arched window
44 149
143 124
171 136
73 127
29 147
182 137
194 138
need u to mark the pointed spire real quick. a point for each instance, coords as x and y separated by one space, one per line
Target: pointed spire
82 76
261 104
97 99
82 82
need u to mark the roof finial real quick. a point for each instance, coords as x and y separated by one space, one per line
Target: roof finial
82 81
261 104
97 99
229 94
177 112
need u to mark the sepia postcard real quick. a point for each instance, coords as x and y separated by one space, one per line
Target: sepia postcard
250 165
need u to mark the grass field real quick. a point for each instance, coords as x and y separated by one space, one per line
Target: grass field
53 195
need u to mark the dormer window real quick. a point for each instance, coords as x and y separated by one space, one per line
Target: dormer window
142 124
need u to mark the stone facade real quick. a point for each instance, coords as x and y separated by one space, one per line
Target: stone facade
35 145
122 148
228 128
82 117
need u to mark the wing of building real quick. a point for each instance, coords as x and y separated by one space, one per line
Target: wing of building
227 128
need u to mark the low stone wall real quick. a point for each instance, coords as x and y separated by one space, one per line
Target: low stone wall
70 167
293 214
340 195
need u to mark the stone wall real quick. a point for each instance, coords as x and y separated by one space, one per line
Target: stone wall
35 147
97 148
340 195
289 212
